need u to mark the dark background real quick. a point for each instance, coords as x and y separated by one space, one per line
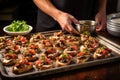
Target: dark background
26 10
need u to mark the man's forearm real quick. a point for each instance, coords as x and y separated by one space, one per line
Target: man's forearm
102 5
47 7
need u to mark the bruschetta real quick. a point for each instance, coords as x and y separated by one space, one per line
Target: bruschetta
102 52
63 60
22 66
20 40
85 35
72 50
9 58
30 54
44 63
37 37
83 56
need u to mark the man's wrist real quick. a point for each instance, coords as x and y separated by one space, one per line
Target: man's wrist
56 15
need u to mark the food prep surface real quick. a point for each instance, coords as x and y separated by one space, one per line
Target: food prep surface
52 52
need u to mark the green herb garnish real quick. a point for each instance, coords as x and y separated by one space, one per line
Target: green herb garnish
18 26
42 57
86 32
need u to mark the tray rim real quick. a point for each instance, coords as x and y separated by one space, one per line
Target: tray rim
109 41
71 67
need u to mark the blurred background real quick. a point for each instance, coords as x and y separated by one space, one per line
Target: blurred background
26 10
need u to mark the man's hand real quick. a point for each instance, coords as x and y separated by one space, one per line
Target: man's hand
101 21
65 20
101 15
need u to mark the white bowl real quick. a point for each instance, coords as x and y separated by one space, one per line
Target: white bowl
17 33
114 33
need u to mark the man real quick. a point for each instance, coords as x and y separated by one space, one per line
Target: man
56 14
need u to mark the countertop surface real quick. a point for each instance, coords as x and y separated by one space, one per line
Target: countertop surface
109 71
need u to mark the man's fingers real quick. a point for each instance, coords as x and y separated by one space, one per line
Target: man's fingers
98 28
66 28
75 31
101 26
72 30
75 20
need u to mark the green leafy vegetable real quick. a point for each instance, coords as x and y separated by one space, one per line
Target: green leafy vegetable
18 26
86 32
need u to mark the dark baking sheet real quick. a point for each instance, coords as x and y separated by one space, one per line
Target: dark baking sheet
6 71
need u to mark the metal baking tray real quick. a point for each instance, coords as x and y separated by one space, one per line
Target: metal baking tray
7 71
